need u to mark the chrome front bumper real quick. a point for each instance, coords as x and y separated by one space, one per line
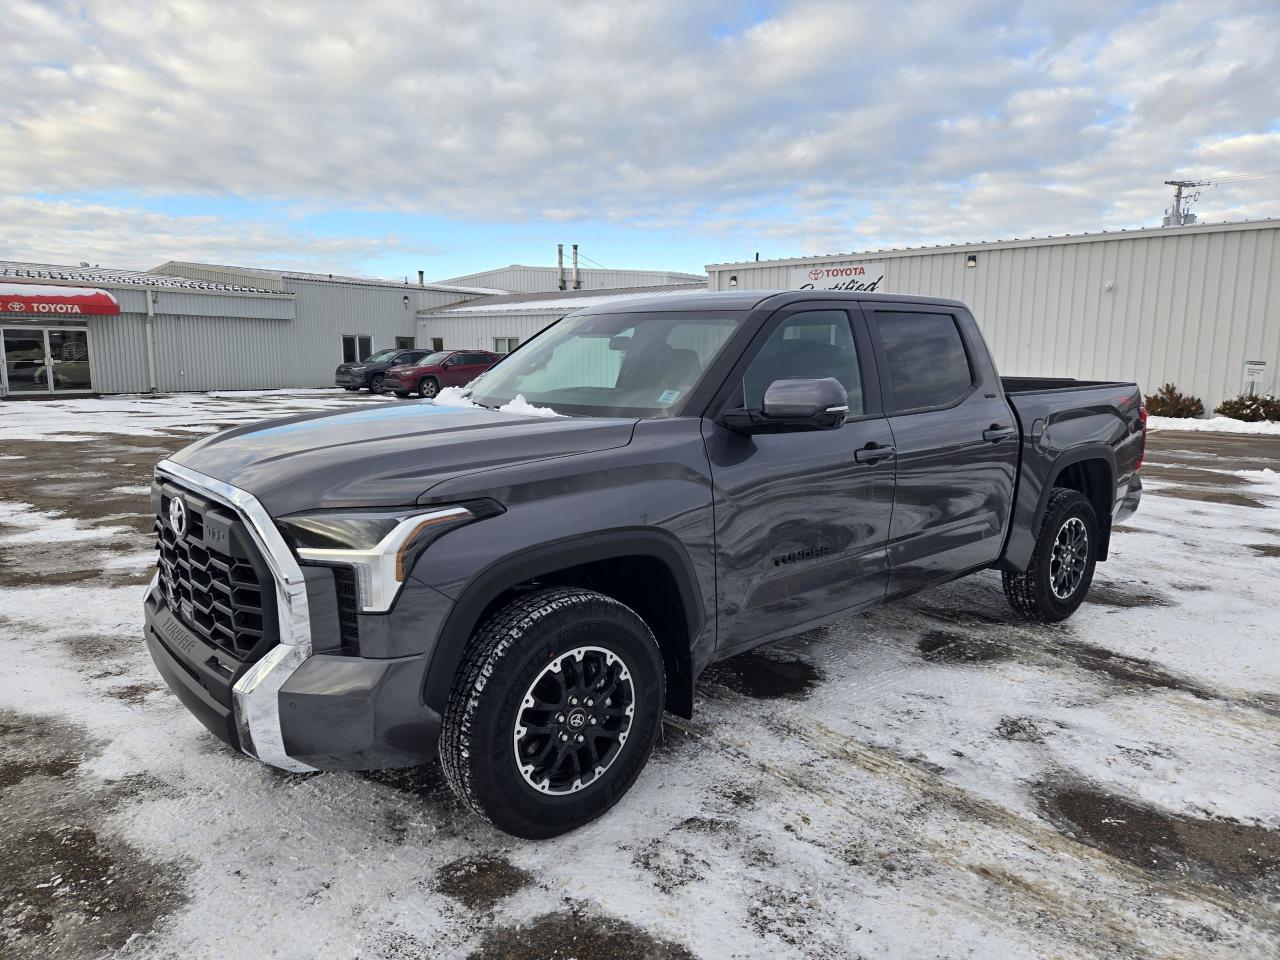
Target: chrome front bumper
255 696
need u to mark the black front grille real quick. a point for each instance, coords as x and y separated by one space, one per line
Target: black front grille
212 577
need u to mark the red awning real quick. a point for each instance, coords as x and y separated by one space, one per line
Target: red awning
48 300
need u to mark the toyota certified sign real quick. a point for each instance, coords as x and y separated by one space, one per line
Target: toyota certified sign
49 300
866 277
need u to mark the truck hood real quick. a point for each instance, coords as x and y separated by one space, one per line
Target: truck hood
385 455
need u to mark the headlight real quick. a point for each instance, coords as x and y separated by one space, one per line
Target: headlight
381 546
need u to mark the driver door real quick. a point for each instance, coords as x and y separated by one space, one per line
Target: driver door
802 518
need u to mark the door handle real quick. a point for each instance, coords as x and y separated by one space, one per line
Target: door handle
874 453
995 433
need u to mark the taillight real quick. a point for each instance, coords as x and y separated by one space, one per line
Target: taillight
1142 449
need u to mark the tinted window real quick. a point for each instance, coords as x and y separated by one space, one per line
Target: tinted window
432 359
807 346
927 363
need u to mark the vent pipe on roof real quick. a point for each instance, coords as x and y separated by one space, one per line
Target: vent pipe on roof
577 284
559 266
422 278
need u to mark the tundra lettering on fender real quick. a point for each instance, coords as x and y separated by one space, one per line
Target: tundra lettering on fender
521 583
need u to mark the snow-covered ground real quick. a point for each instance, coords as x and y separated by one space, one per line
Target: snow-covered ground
1214 425
935 778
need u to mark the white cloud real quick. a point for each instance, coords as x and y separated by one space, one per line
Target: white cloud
54 231
843 124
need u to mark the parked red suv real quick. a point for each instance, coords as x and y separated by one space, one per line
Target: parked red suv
445 368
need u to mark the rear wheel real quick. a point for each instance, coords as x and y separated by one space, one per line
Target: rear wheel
428 387
554 711
1062 564
375 383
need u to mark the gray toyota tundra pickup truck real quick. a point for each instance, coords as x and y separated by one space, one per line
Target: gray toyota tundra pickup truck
521 582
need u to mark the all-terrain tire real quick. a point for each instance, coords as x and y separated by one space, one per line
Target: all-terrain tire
507 654
428 387
1033 594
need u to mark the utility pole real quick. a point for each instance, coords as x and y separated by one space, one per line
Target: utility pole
1177 215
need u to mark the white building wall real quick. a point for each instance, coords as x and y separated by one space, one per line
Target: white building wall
479 330
1184 305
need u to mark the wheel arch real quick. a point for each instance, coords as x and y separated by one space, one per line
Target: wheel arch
1089 470
646 569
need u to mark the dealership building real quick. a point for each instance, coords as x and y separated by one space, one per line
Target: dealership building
1198 306
197 326
191 326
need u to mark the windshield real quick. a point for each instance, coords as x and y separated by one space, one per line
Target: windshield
380 356
433 359
610 365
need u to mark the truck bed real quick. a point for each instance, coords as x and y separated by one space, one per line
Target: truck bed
1036 384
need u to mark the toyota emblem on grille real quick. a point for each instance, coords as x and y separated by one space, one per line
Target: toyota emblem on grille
178 516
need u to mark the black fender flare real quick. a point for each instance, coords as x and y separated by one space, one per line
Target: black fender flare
1088 451
542 560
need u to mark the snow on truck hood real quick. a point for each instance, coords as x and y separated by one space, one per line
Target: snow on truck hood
386 455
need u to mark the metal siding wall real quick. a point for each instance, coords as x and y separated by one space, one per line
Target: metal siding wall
1186 307
478 330
119 353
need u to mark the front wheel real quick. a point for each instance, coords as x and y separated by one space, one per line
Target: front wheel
554 711
1062 564
428 388
375 383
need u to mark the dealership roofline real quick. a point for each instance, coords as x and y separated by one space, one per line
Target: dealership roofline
556 301
54 274
882 254
311 277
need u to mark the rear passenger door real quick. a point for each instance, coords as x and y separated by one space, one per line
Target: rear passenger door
801 519
956 441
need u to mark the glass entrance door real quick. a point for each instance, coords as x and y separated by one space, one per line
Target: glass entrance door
25 355
68 369
46 360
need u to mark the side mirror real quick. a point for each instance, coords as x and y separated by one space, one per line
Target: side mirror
795 405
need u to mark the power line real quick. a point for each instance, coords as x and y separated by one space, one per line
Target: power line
583 256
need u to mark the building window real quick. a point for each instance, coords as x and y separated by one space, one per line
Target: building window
405 343
505 344
356 348
437 343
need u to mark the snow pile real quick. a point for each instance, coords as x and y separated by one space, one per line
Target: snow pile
1214 425
518 404
461 397
453 397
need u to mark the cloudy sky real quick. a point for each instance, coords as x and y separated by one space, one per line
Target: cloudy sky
386 137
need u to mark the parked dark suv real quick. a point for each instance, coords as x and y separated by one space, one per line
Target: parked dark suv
371 372
444 368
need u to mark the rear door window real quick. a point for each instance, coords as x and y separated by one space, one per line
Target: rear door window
925 362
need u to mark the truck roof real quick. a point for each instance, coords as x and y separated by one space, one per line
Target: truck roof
750 299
